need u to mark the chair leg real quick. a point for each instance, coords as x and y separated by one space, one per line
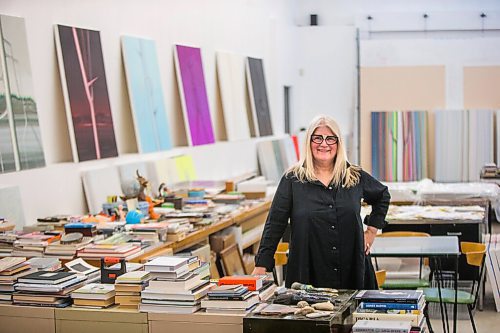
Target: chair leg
427 319
469 307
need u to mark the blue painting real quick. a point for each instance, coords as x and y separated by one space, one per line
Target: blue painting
146 94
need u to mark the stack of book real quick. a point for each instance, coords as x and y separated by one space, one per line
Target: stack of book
392 305
66 250
149 232
124 250
11 268
86 229
235 299
33 244
258 284
45 288
7 240
94 295
178 228
490 170
128 288
45 264
176 287
56 222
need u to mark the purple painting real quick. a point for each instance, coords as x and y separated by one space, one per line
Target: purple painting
193 95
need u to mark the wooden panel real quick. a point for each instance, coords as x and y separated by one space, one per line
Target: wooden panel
26 311
114 314
481 87
76 326
197 317
26 324
399 88
20 319
188 327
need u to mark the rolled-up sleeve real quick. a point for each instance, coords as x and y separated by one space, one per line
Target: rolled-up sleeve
276 222
377 195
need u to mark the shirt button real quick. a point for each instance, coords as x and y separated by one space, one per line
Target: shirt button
334 248
333 227
330 188
331 206
335 269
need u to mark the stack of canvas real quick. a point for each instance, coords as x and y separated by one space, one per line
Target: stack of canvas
94 295
465 137
128 288
176 286
45 288
399 145
11 268
275 157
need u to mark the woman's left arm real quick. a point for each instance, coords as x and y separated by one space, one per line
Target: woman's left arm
377 195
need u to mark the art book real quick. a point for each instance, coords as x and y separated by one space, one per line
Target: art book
390 296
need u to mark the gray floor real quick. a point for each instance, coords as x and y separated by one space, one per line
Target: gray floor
487 320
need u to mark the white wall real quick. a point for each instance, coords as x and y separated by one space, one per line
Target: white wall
327 73
256 28
453 53
327 54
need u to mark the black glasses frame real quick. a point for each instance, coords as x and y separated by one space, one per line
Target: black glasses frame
330 139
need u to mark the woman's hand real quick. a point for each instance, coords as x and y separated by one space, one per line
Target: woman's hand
370 234
259 271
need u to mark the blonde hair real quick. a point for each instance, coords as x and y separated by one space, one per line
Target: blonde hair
344 174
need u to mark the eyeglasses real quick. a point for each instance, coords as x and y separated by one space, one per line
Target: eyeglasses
330 139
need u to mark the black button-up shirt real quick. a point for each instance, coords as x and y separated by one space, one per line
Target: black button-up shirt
327 239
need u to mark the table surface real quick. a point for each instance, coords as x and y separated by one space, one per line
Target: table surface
415 246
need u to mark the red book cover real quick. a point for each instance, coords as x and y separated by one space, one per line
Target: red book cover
252 282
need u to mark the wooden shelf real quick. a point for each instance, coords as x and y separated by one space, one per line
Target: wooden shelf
249 218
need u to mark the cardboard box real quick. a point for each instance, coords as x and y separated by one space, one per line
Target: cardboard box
220 241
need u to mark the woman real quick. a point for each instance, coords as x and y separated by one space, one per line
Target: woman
321 195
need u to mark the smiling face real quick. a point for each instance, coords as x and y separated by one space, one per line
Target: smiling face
323 153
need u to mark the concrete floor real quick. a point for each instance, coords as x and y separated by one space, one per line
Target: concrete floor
487 320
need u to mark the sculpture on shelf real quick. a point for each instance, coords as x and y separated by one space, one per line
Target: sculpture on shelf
135 188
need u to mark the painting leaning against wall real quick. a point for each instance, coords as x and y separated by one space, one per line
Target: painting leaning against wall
85 91
21 144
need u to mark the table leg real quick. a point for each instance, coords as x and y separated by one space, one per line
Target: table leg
455 306
441 306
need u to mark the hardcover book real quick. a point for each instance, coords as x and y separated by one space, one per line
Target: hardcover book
47 277
390 296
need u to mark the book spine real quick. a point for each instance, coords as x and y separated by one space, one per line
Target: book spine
395 306
225 298
377 316
392 300
251 285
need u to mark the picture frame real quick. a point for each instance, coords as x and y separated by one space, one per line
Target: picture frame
232 262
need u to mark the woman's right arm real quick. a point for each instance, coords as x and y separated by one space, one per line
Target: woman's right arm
276 222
